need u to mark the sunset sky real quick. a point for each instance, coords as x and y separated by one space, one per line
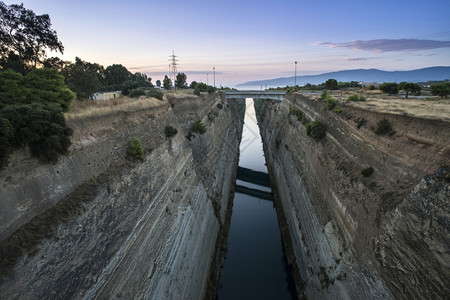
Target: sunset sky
251 40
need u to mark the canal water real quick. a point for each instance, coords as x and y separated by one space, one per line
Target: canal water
255 265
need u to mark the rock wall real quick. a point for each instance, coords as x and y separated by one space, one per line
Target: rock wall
342 223
149 230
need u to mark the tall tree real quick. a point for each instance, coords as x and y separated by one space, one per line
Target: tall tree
84 78
116 74
331 84
180 82
25 37
167 83
440 89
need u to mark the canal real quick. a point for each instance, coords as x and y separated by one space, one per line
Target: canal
255 265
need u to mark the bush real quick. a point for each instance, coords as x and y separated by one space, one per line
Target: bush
356 98
338 110
219 105
136 93
41 127
304 120
296 112
383 127
6 133
324 95
366 172
330 102
155 93
198 127
316 130
170 131
135 150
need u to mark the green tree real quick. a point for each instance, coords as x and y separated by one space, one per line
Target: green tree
440 89
198 127
158 83
40 85
116 74
389 87
409 87
135 150
6 134
25 37
40 126
331 84
180 82
167 83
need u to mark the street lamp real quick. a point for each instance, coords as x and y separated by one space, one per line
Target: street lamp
214 71
295 80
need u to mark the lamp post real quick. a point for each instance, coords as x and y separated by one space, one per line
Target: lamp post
295 80
214 71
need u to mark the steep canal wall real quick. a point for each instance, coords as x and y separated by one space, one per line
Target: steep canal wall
96 226
378 233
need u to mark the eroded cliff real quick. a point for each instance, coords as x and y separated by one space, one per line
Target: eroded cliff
358 236
139 230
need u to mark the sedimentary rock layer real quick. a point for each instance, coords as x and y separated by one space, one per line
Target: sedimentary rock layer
150 230
358 237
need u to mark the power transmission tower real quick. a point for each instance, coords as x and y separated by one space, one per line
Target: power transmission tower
173 67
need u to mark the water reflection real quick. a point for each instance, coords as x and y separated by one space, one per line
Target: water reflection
255 266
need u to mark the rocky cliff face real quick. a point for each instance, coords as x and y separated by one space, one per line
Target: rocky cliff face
356 236
147 229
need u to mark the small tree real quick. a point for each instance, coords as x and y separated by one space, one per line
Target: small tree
158 83
135 150
155 93
389 87
198 127
167 83
330 102
180 82
440 89
170 131
409 87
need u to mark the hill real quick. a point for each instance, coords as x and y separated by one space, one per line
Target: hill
364 75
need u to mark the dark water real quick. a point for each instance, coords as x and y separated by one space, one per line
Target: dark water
255 266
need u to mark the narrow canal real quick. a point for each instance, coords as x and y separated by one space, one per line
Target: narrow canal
255 265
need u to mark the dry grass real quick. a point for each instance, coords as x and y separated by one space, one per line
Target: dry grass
428 108
84 109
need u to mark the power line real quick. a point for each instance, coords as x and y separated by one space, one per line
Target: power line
173 66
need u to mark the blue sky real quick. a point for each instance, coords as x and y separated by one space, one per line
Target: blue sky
251 40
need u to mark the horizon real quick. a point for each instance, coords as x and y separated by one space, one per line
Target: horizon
256 40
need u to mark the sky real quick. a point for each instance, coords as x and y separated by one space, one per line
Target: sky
251 40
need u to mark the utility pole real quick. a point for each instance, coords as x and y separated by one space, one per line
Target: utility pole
295 80
173 67
207 78
214 71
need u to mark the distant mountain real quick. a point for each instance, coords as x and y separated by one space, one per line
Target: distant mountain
364 75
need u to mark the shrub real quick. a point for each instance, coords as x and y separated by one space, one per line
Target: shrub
356 98
135 150
277 143
198 127
338 110
155 93
296 112
6 133
304 120
170 131
330 102
219 105
360 122
366 172
41 127
317 130
324 95
383 127
136 93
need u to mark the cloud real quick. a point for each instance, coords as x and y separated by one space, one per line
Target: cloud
389 45
356 58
